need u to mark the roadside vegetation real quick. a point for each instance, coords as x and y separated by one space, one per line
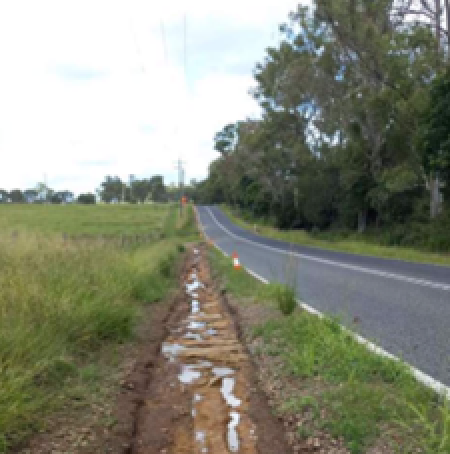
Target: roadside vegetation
353 136
65 298
370 243
285 298
331 383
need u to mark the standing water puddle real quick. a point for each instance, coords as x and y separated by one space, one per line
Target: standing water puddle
227 392
189 375
222 371
232 435
195 307
204 368
196 325
190 288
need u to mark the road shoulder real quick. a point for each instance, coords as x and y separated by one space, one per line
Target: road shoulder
332 394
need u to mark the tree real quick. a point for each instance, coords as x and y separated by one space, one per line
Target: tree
142 190
225 140
112 189
427 13
16 196
358 82
158 190
86 199
341 98
55 198
434 138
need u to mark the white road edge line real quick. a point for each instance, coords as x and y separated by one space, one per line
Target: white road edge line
398 277
420 376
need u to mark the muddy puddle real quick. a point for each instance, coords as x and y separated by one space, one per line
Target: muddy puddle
203 397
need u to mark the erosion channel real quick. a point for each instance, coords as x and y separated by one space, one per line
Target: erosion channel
203 396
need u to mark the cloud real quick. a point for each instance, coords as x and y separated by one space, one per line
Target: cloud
89 89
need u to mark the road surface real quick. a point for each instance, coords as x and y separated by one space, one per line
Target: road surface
401 306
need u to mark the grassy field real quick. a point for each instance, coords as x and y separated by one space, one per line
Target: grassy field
83 219
62 298
354 243
339 386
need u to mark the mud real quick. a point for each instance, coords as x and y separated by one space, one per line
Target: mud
203 396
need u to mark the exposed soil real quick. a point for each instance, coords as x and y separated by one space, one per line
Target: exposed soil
203 396
189 386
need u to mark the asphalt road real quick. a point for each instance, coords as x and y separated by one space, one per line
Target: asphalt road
401 306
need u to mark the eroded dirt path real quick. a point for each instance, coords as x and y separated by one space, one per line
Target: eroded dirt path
203 396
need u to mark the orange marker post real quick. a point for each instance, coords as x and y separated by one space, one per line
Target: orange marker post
236 263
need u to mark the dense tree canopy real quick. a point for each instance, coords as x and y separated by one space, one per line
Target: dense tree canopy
352 132
435 134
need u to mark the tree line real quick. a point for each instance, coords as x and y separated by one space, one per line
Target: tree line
355 130
111 190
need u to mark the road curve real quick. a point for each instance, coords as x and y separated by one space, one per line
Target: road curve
404 307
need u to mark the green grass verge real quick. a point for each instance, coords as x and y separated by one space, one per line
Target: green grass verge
352 243
351 392
62 300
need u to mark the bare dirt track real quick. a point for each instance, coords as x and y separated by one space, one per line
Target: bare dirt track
203 396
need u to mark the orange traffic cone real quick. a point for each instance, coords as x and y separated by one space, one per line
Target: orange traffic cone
236 263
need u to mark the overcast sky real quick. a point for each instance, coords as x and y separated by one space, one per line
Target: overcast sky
88 87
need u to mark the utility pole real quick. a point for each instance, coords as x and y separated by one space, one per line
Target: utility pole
180 169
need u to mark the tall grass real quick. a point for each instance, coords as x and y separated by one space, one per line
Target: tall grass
59 302
285 297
